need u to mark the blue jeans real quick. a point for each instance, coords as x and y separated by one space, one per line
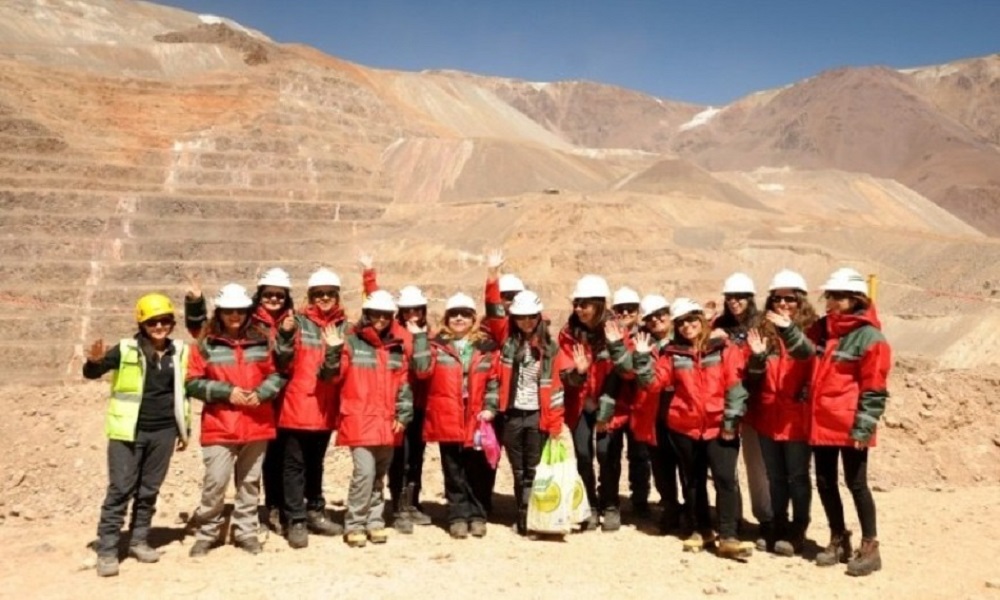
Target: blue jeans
787 466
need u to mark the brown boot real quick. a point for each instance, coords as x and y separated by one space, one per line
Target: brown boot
735 549
866 560
837 551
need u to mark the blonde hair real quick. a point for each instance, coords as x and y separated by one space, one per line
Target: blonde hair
475 335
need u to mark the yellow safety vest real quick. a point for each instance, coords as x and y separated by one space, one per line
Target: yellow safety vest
126 392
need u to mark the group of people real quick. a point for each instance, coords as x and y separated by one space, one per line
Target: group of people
685 389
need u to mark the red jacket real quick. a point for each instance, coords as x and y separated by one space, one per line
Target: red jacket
848 390
643 402
579 388
551 395
452 416
708 393
496 322
215 367
372 373
309 402
779 399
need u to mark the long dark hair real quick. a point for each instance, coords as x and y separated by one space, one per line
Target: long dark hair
805 316
594 337
540 338
249 329
732 325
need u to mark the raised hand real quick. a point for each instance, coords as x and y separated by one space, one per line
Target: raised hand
613 331
757 342
494 260
193 285
414 327
288 323
331 335
366 259
780 321
710 308
643 342
95 353
580 359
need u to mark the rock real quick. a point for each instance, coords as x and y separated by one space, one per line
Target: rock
16 510
52 463
926 414
996 441
88 563
17 477
892 422
881 487
71 443
993 584
714 589
930 404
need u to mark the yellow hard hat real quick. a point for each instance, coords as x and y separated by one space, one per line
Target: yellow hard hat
152 305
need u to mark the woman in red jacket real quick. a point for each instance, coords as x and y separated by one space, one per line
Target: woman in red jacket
530 398
583 365
231 370
376 404
462 383
703 418
779 412
847 395
309 408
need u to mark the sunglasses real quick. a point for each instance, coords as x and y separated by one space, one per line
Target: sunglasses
837 295
378 315
525 317
316 294
585 302
232 311
660 315
412 309
159 322
509 296
739 297
273 296
622 309
464 313
687 320
785 299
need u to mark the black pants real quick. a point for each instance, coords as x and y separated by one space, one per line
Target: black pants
601 486
523 441
273 474
468 482
407 467
856 479
666 469
136 471
696 458
639 469
303 453
787 465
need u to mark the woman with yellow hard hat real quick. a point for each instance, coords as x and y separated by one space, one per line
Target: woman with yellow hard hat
148 416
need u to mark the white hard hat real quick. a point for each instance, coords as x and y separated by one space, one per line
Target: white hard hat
788 280
324 277
460 300
846 280
411 296
511 283
625 295
379 300
652 303
276 277
233 295
526 303
682 307
738 283
591 286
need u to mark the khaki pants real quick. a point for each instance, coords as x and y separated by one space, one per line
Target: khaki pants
365 499
223 462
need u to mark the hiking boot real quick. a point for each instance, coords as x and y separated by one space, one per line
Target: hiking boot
521 525
459 530
143 552
477 528
866 560
791 543
694 543
402 522
612 520
417 517
733 548
766 537
591 523
274 520
378 536
356 539
320 524
107 565
298 535
837 551
640 508
249 544
200 548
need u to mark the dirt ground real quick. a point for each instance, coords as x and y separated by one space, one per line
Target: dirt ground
938 536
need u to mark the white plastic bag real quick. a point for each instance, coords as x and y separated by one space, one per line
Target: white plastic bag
558 500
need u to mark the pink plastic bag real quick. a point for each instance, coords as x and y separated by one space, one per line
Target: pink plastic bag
488 441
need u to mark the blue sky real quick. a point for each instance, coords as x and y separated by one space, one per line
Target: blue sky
701 51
